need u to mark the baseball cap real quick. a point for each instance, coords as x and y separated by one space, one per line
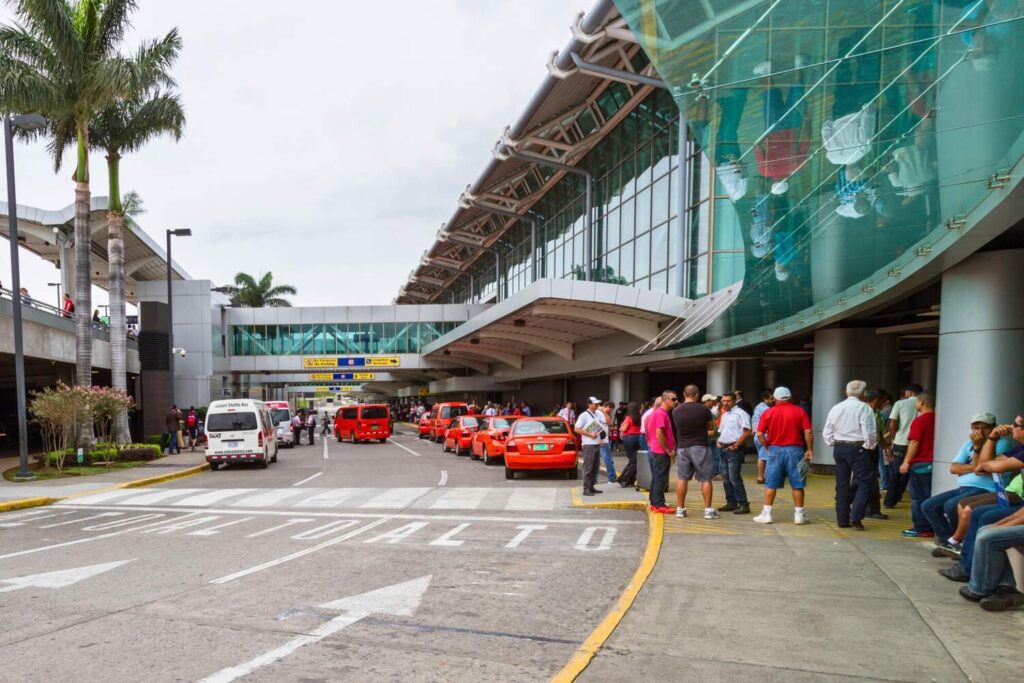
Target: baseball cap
708 397
987 418
593 399
782 394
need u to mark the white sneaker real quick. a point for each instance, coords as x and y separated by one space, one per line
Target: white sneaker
711 513
680 512
799 517
764 518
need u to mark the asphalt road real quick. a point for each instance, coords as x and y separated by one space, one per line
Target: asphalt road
346 563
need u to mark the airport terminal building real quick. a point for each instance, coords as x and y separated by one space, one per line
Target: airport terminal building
738 193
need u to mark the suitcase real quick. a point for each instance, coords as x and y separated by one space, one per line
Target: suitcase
643 472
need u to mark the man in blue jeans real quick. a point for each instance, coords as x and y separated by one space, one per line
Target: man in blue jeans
733 432
941 509
992 582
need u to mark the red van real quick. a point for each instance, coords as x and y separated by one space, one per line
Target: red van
363 423
446 413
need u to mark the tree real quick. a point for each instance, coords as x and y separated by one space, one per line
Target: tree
124 127
248 292
61 60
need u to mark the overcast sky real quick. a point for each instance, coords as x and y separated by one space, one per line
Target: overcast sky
326 141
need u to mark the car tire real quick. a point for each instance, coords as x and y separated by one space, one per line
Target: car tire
444 447
337 435
265 462
276 451
352 438
573 473
214 466
510 474
488 460
472 455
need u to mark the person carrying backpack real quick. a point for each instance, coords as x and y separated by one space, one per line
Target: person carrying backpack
311 425
192 428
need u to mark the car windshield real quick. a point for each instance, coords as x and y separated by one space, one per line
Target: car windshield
470 422
374 413
280 415
501 423
528 427
230 422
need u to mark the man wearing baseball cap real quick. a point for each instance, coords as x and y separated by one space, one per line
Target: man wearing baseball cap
593 430
941 509
786 429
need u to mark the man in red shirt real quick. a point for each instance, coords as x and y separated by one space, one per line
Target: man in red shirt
786 430
917 463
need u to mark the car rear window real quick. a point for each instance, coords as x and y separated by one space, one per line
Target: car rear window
280 415
231 422
527 427
470 422
374 413
501 423
459 410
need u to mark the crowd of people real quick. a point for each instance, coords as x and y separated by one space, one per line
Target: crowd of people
183 430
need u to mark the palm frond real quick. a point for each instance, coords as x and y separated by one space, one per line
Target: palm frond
132 204
54 22
280 290
114 22
244 280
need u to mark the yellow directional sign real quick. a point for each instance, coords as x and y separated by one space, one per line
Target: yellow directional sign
383 361
319 362
342 376
352 362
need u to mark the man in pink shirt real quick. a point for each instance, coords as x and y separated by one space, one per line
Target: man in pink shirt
661 441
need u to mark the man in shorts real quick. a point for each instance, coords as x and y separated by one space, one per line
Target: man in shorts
693 422
786 429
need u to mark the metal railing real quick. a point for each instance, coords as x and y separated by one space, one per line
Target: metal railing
51 315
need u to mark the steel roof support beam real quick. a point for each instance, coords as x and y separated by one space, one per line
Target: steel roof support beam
469 200
559 348
637 327
500 356
620 75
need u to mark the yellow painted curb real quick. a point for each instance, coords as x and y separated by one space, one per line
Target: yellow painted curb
25 503
159 479
586 652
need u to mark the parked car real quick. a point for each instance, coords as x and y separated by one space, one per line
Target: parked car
446 412
426 420
281 414
541 443
364 422
459 435
489 440
240 430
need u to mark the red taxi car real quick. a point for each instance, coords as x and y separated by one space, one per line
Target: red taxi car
363 423
446 412
540 443
426 420
489 440
459 435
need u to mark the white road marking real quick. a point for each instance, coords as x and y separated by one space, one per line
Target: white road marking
445 540
82 519
400 534
8 525
272 529
325 530
395 499
60 578
461 499
444 478
105 497
210 497
156 496
266 498
178 525
297 555
213 530
325 447
126 521
524 531
328 499
400 600
606 538
404 448
70 543
307 479
532 499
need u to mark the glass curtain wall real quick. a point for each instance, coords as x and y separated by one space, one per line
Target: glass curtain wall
335 338
846 135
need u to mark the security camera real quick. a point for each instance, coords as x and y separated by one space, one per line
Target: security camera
178 351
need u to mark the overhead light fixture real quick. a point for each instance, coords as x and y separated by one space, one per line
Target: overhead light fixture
519 322
474 341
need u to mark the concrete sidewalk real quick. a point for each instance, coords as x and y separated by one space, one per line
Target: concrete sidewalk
732 600
64 487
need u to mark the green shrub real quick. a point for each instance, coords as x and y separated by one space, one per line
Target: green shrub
141 451
155 440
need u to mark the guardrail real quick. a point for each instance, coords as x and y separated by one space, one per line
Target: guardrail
45 314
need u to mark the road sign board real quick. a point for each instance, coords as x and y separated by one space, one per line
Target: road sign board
342 376
352 361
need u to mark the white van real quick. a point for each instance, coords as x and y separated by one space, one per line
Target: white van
240 430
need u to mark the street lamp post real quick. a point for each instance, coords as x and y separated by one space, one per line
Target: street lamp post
181 232
26 122
57 285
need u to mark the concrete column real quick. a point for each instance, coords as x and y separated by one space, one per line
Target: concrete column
640 386
719 377
770 378
923 371
617 387
841 355
748 377
981 334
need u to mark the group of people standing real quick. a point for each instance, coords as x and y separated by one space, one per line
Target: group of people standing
306 420
183 430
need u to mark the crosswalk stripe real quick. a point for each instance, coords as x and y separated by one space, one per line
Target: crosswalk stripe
328 499
461 499
268 498
392 499
105 497
211 497
155 496
532 499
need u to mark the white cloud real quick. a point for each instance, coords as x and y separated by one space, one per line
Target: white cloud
326 141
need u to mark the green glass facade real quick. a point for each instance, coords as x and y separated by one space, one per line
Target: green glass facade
335 338
850 138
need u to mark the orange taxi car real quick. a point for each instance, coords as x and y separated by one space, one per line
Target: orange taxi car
540 443
489 440
459 435
426 420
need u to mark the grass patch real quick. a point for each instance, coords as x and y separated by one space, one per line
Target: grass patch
83 471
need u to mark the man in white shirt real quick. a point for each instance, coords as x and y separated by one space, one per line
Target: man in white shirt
491 410
567 413
851 432
902 414
733 432
593 430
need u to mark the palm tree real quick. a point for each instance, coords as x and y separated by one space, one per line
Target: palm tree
247 291
125 127
61 60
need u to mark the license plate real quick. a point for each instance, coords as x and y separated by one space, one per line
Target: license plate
232 444
540 446
374 428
